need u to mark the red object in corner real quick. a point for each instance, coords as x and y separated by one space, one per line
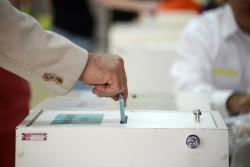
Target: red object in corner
14 107
180 5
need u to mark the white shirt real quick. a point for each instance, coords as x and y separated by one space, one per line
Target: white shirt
214 57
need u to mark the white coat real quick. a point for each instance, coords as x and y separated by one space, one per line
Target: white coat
37 55
214 57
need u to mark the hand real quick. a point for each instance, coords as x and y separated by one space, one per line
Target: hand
238 103
106 72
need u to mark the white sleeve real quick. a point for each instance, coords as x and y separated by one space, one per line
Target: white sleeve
37 55
193 69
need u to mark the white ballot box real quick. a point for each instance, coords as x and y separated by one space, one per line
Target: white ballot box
53 138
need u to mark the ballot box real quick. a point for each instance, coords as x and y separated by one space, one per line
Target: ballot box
73 138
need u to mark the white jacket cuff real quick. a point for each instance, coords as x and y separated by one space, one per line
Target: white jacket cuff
36 55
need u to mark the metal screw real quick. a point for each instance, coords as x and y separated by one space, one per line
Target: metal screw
193 141
197 114
134 96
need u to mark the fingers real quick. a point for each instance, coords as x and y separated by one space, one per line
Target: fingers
107 73
109 91
105 91
115 98
125 96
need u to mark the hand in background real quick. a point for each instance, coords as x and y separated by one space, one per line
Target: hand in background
106 72
238 103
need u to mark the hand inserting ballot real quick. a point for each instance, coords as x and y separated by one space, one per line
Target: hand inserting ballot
106 72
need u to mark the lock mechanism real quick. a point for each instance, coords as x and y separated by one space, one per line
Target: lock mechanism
197 115
193 141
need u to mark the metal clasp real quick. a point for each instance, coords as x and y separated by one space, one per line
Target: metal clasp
197 114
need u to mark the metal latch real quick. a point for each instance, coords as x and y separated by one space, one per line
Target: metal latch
197 114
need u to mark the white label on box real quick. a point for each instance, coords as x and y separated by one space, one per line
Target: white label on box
34 136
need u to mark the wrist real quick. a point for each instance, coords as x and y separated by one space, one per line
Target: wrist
86 68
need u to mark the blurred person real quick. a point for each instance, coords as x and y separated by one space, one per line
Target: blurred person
128 10
75 21
213 57
138 6
213 4
70 18
52 61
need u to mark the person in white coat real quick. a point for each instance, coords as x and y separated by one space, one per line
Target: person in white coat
51 61
214 57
